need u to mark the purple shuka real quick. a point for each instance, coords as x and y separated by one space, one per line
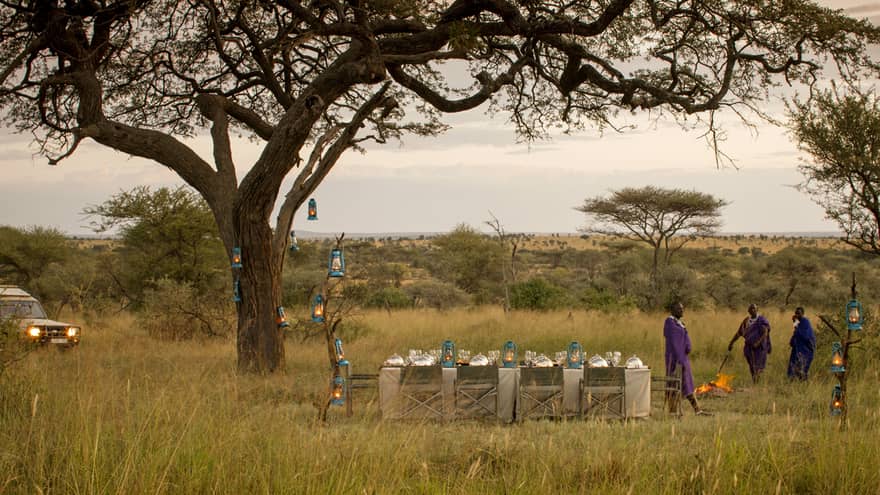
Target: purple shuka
678 346
752 331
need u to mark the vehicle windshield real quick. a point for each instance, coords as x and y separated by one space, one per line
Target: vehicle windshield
21 309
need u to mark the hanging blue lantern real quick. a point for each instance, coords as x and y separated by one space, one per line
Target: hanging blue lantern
340 354
236 257
281 318
236 291
313 209
837 364
508 355
336 265
338 396
294 246
836 401
575 356
854 317
447 354
318 309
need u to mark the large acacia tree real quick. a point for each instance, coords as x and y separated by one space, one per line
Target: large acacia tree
309 80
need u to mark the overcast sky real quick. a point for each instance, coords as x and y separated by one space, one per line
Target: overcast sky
431 185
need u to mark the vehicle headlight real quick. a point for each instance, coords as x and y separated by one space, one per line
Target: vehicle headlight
33 331
72 331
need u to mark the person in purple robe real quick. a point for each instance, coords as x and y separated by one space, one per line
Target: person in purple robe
755 331
678 347
803 344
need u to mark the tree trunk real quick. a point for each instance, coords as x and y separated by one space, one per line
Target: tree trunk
260 340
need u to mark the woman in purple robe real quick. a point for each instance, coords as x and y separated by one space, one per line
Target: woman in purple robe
678 346
803 344
755 331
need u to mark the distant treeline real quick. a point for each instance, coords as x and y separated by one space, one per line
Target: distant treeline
180 281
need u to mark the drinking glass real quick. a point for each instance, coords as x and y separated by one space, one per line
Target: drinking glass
494 355
560 358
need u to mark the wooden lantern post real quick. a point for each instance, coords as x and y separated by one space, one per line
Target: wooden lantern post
853 318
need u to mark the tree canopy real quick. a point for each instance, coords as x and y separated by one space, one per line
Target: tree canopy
166 233
309 80
662 218
841 133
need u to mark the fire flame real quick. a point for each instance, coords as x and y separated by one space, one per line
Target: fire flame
721 382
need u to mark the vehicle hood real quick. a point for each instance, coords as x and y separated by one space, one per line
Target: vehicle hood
44 322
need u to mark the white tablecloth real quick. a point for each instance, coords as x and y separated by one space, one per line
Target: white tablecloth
638 392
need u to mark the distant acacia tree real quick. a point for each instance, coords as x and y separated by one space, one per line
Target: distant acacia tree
661 218
841 132
309 80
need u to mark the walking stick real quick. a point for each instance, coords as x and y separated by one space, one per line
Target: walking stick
726 357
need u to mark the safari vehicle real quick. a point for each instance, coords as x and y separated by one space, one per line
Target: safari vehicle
36 327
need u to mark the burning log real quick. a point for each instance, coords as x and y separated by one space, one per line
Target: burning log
720 386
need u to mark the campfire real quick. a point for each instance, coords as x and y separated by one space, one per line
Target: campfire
720 386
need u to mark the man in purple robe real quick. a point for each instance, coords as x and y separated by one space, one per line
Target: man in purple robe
803 344
678 346
755 331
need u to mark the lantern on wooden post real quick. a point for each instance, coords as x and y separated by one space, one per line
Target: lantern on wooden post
836 401
318 309
447 354
313 209
336 265
837 364
508 355
854 317
575 356
340 354
281 318
338 395
236 257
294 246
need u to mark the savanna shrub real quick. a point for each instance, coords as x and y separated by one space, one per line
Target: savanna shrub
538 294
605 300
176 311
436 294
389 298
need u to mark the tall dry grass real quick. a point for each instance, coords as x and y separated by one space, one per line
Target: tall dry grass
124 414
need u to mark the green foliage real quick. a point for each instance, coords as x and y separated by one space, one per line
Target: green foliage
839 131
166 234
605 301
538 294
389 298
436 294
27 253
470 260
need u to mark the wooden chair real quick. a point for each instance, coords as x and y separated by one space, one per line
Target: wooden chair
476 392
670 387
359 381
603 392
421 392
540 393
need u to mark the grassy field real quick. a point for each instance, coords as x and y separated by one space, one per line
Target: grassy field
126 414
768 244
